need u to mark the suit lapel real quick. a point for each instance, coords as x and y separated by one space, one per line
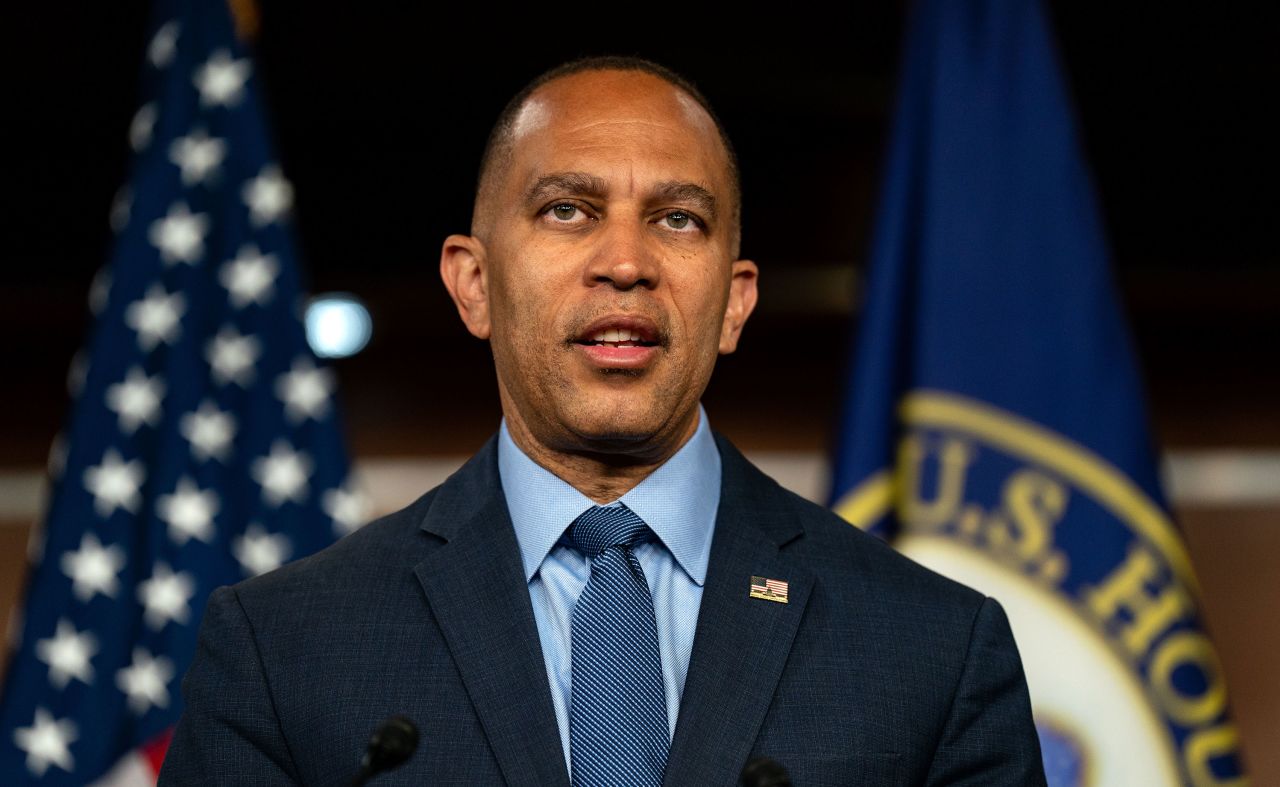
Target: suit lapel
741 643
476 589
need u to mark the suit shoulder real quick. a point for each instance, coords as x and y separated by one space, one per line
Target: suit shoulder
376 549
843 550
849 561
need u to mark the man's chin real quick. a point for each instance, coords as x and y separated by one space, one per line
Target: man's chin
625 431
609 435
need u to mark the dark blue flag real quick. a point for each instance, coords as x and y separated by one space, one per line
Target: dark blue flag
203 445
995 424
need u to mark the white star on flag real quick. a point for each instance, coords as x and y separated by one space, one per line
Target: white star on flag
259 551
250 277
47 742
305 390
198 156
145 681
136 400
77 372
209 430
283 474
232 357
115 483
269 196
141 127
347 506
121 207
68 654
165 595
189 511
99 290
164 44
157 317
57 456
179 235
221 79
93 568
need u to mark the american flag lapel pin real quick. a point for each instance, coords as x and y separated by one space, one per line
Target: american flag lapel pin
769 589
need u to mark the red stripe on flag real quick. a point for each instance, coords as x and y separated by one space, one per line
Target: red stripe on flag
154 749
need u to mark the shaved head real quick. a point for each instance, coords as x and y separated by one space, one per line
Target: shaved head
521 112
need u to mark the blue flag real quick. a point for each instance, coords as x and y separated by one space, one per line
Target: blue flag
995 424
203 445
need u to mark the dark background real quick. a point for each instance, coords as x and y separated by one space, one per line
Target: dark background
380 116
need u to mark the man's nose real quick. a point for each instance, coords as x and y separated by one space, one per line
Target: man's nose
625 257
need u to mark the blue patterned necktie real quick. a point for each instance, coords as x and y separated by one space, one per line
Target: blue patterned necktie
618 731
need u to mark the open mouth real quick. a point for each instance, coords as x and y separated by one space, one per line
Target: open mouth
618 337
620 343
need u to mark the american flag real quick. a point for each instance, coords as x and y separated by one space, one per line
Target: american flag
770 589
203 445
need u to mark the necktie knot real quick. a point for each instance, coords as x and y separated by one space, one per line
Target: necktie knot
600 527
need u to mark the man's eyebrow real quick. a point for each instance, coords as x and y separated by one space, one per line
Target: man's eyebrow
561 183
689 193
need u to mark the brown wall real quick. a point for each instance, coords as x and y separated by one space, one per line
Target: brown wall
1235 551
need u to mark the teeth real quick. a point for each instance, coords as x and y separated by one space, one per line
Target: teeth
616 335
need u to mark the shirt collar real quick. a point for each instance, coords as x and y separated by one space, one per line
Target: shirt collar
678 501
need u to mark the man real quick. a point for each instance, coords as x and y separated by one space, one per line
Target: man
607 592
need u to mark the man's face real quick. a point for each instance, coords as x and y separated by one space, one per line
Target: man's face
606 263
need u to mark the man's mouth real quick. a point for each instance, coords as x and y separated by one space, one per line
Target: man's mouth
618 337
619 343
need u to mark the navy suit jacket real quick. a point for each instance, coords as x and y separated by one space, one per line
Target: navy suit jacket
875 672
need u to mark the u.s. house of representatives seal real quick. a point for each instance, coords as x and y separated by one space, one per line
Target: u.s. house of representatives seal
1098 587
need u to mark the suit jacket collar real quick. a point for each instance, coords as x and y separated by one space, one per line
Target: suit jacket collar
741 643
475 586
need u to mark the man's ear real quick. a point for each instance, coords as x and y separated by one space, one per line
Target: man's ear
742 300
466 277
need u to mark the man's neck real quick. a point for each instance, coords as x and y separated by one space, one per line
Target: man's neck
603 477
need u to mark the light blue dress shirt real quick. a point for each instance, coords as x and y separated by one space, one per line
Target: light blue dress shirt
678 501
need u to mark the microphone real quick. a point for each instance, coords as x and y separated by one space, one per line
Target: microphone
392 743
764 772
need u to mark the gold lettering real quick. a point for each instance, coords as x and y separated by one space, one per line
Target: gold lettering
969 522
1182 649
955 457
1034 503
1202 746
1151 612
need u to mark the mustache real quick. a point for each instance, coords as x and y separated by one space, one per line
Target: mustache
655 321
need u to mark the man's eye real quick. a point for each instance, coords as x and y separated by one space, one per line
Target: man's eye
677 220
564 211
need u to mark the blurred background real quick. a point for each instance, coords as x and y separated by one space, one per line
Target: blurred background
379 117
